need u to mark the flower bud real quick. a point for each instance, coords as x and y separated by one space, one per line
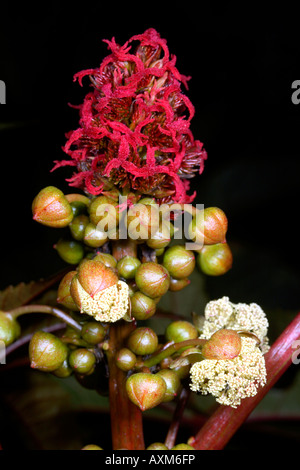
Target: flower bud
63 371
9 328
104 213
223 344
157 446
142 341
172 383
46 351
179 262
145 390
126 359
209 227
93 236
178 284
127 267
82 360
215 260
142 221
93 332
71 251
181 330
51 208
162 237
152 279
106 259
97 291
142 306
78 225
63 293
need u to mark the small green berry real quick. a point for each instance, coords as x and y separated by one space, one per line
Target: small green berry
78 225
93 332
46 351
145 390
71 251
215 260
181 330
142 341
179 262
51 208
127 267
152 279
82 360
126 359
9 328
142 306
172 383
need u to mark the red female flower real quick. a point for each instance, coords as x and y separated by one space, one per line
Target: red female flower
134 126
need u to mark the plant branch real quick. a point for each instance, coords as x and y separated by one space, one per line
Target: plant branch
225 421
176 420
126 418
25 309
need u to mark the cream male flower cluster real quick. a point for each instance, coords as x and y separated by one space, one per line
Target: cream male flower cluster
231 380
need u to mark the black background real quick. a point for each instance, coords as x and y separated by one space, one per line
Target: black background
242 60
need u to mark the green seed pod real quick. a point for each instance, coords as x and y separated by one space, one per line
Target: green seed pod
142 221
152 279
178 284
82 360
182 447
172 383
210 227
181 330
94 237
46 351
142 306
145 390
9 328
51 208
93 332
162 237
63 371
157 446
127 267
71 251
215 260
179 262
107 259
104 213
78 225
91 447
142 341
63 293
126 359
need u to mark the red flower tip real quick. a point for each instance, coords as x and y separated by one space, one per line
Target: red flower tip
134 126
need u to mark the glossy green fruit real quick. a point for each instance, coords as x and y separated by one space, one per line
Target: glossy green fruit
51 208
179 262
46 351
63 292
215 260
127 267
126 359
145 390
82 360
93 332
71 251
142 341
142 306
94 237
181 330
172 383
152 279
78 225
9 328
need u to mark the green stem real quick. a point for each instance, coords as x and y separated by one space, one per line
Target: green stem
25 309
169 350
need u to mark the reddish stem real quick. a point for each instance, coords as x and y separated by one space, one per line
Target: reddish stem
126 418
225 421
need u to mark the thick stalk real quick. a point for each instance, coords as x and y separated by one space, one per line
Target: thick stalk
126 418
225 421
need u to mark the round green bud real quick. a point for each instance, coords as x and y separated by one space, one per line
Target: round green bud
93 332
182 447
181 330
9 328
78 208
172 383
106 259
179 262
63 371
104 213
63 293
126 359
94 237
82 360
178 284
209 227
142 221
91 447
71 251
127 267
142 341
162 237
51 208
152 279
157 446
46 351
142 306
145 390
215 260
78 225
